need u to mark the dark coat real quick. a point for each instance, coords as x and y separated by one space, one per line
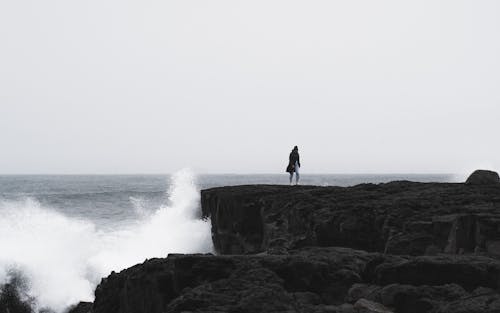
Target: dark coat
294 157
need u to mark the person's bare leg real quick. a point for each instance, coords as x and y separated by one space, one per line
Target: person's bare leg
297 175
291 177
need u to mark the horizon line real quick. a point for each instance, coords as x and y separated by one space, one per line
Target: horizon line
226 173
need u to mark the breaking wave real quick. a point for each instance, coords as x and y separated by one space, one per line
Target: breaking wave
55 260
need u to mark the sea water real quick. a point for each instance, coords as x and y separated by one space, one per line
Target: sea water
60 234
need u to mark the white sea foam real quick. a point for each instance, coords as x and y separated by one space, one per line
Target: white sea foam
63 258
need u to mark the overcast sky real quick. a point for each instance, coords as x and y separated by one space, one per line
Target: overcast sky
361 86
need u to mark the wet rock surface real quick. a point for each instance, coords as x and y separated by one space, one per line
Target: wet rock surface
396 247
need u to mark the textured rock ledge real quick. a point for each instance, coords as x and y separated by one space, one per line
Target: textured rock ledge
397 218
305 280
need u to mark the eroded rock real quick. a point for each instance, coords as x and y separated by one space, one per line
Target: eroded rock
367 306
305 280
396 218
82 307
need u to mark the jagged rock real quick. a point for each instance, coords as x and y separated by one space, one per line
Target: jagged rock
367 306
252 290
397 218
305 280
460 230
483 177
363 291
467 271
408 298
482 300
412 243
82 307
10 299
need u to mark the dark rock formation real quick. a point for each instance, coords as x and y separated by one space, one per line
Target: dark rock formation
11 301
13 295
483 177
82 307
367 306
397 218
257 283
304 280
407 247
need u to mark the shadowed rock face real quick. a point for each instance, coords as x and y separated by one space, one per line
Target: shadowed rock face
258 283
304 280
397 218
418 248
82 307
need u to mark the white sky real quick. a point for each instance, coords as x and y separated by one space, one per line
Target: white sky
361 86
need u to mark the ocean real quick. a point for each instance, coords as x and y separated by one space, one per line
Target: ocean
61 234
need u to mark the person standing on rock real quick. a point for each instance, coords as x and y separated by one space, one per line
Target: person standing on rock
294 165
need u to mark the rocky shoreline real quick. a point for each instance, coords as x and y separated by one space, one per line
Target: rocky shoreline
394 247
394 218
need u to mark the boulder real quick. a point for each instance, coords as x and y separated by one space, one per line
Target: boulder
483 177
